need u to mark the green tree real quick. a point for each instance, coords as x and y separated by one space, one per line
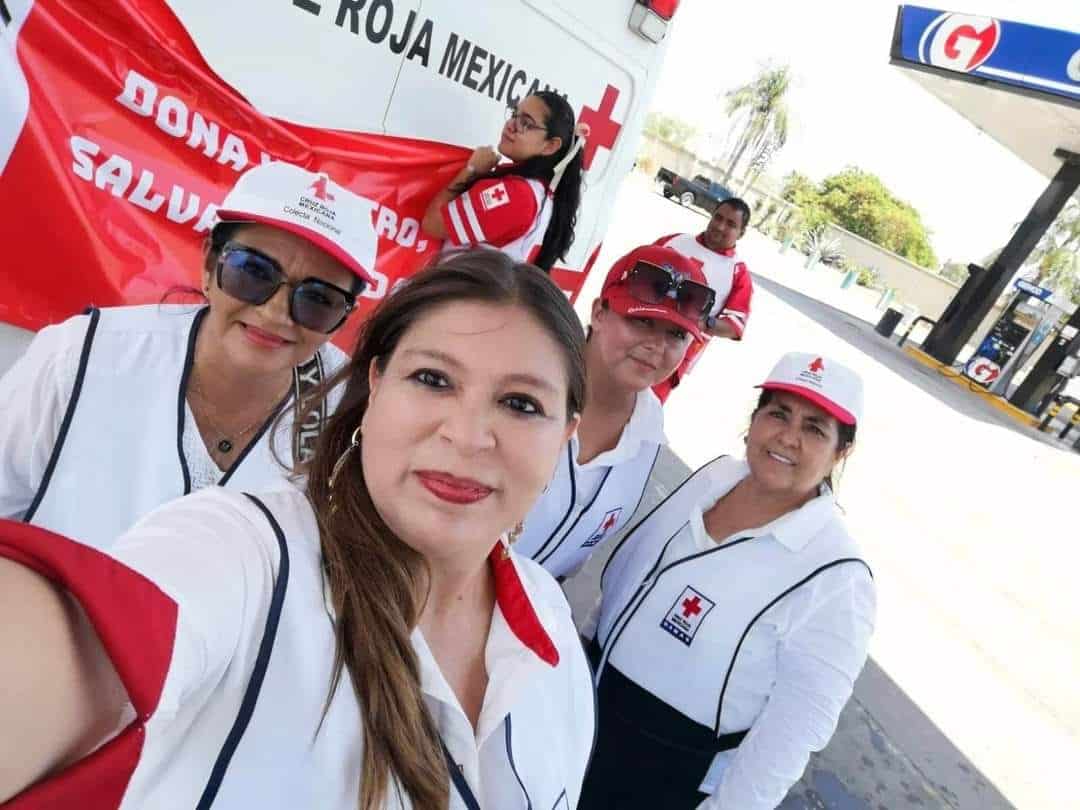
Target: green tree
858 201
762 106
669 129
1057 256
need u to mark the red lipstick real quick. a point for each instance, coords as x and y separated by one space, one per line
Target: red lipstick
451 488
261 337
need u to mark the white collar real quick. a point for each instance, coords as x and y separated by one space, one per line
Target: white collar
646 424
792 530
520 642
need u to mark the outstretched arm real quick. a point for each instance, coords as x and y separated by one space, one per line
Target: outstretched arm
59 694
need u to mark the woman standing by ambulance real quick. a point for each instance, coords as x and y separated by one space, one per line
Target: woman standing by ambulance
110 414
735 617
527 208
650 310
370 643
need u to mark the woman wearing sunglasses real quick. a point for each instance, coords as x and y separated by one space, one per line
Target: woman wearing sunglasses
115 412
370 643
736 615
650 310
526 208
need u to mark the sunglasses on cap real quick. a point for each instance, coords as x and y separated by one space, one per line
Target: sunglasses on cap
652 284
254 278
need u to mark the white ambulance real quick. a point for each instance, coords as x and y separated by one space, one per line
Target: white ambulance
121 125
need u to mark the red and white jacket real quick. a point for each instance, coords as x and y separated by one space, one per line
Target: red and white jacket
214 614
509 213
729 277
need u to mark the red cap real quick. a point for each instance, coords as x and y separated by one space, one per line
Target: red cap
620 300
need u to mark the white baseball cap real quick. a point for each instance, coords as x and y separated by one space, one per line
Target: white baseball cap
311 206
833 387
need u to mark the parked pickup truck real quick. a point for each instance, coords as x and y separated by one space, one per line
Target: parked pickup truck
701 191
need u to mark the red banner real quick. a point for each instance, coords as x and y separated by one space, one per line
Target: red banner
128 142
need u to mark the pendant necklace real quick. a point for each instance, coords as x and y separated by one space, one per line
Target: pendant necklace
224 445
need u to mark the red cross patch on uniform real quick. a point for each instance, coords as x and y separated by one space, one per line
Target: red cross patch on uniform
687 614
495 196
606 527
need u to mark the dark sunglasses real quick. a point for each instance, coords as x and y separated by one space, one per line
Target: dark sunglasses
652 284
254 278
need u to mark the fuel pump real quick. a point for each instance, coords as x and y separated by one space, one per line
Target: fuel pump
1051 374
1022 316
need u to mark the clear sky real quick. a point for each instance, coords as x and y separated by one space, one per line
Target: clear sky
851 107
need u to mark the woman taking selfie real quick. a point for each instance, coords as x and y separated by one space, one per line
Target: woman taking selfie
526 208
110 414
649 312
735 617
369 643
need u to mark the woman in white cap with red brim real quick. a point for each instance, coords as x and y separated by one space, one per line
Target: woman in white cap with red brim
112 413
735 617
650 310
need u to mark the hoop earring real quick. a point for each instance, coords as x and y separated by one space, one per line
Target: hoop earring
354 442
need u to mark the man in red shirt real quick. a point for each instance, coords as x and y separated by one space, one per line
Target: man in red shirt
714 248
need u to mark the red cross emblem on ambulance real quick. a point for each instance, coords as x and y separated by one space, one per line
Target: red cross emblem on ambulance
607 525
603 129
686 615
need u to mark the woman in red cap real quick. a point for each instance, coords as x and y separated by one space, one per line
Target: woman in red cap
650 310
112 413
735 616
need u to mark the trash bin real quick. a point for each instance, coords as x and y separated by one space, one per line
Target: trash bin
889 321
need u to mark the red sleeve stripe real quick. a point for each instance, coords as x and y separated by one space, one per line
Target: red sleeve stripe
458 233
136 622
470 215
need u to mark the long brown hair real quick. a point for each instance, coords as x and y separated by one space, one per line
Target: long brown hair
375 579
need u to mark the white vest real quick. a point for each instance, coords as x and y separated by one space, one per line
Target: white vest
676 630
566 525
118 454
562 530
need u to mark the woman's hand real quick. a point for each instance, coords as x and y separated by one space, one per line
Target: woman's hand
483 160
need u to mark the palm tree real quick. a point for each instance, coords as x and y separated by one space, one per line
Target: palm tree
761 103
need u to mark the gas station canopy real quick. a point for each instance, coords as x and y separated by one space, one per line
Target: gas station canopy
1018 83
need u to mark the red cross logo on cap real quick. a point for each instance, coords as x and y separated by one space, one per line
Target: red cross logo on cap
602 129
817 365
691 607
499 194
320 190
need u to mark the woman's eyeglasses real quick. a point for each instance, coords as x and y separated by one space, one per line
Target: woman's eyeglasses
651 284
254 278
522 122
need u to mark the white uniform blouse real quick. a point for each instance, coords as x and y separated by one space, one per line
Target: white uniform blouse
795 668
216 619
